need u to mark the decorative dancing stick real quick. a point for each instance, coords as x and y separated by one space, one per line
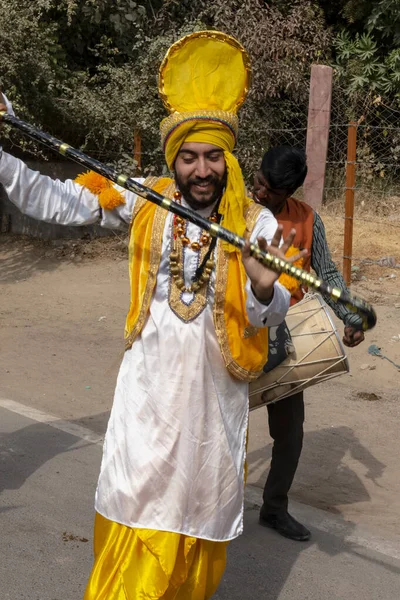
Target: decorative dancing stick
278 265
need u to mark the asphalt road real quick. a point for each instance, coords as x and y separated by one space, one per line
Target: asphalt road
48 472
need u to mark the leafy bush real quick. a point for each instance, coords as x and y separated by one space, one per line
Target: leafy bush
368 49
86 71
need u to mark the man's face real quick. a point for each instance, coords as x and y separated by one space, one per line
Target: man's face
268 197
200 173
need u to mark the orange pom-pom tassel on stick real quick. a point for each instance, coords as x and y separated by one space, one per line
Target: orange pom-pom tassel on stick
109 197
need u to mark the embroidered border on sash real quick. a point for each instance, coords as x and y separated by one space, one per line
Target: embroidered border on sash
233 367
155 257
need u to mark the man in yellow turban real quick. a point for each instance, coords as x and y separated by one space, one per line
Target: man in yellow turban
171 488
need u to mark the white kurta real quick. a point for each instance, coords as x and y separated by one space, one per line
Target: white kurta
174 451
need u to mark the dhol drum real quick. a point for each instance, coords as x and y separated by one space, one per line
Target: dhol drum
317 355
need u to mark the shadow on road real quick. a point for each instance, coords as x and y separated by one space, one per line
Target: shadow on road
24 450
261 564
21 258
323 478
272 565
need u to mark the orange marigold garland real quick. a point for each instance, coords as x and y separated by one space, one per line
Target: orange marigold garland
109 197
290 283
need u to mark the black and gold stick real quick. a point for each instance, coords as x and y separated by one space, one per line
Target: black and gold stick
278 265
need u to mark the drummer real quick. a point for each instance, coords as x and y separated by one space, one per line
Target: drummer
283 170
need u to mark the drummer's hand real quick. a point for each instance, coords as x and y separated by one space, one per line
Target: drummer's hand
352 337
263 279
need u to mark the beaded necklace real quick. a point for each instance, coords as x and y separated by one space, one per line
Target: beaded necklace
203 272
188 301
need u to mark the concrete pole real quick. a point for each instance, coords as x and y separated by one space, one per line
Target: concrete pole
319 116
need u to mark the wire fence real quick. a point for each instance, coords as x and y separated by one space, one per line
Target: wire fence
377 188
284 122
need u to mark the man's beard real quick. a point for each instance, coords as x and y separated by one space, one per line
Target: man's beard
219 185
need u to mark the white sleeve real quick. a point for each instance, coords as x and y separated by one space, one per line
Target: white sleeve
261 315
54 201
8 104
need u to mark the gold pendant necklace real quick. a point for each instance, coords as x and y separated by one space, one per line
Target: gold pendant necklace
187 302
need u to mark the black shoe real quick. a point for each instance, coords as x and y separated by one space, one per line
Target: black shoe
286 525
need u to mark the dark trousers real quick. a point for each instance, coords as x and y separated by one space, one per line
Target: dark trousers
285 418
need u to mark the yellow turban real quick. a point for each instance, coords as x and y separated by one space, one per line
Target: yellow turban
203 81
234 201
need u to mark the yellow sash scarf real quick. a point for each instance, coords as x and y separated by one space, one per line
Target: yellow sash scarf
243 347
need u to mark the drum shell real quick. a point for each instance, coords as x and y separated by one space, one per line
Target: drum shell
318 355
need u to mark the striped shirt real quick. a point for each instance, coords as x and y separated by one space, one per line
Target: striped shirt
325 268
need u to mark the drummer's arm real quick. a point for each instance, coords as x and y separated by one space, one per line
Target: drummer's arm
325 268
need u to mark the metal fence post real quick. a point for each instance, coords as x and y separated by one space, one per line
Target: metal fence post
319 115
349 204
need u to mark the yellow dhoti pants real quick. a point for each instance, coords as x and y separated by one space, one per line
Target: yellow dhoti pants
143 564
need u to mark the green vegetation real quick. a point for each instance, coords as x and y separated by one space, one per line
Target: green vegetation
86 71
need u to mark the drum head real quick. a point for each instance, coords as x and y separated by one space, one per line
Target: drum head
318 355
